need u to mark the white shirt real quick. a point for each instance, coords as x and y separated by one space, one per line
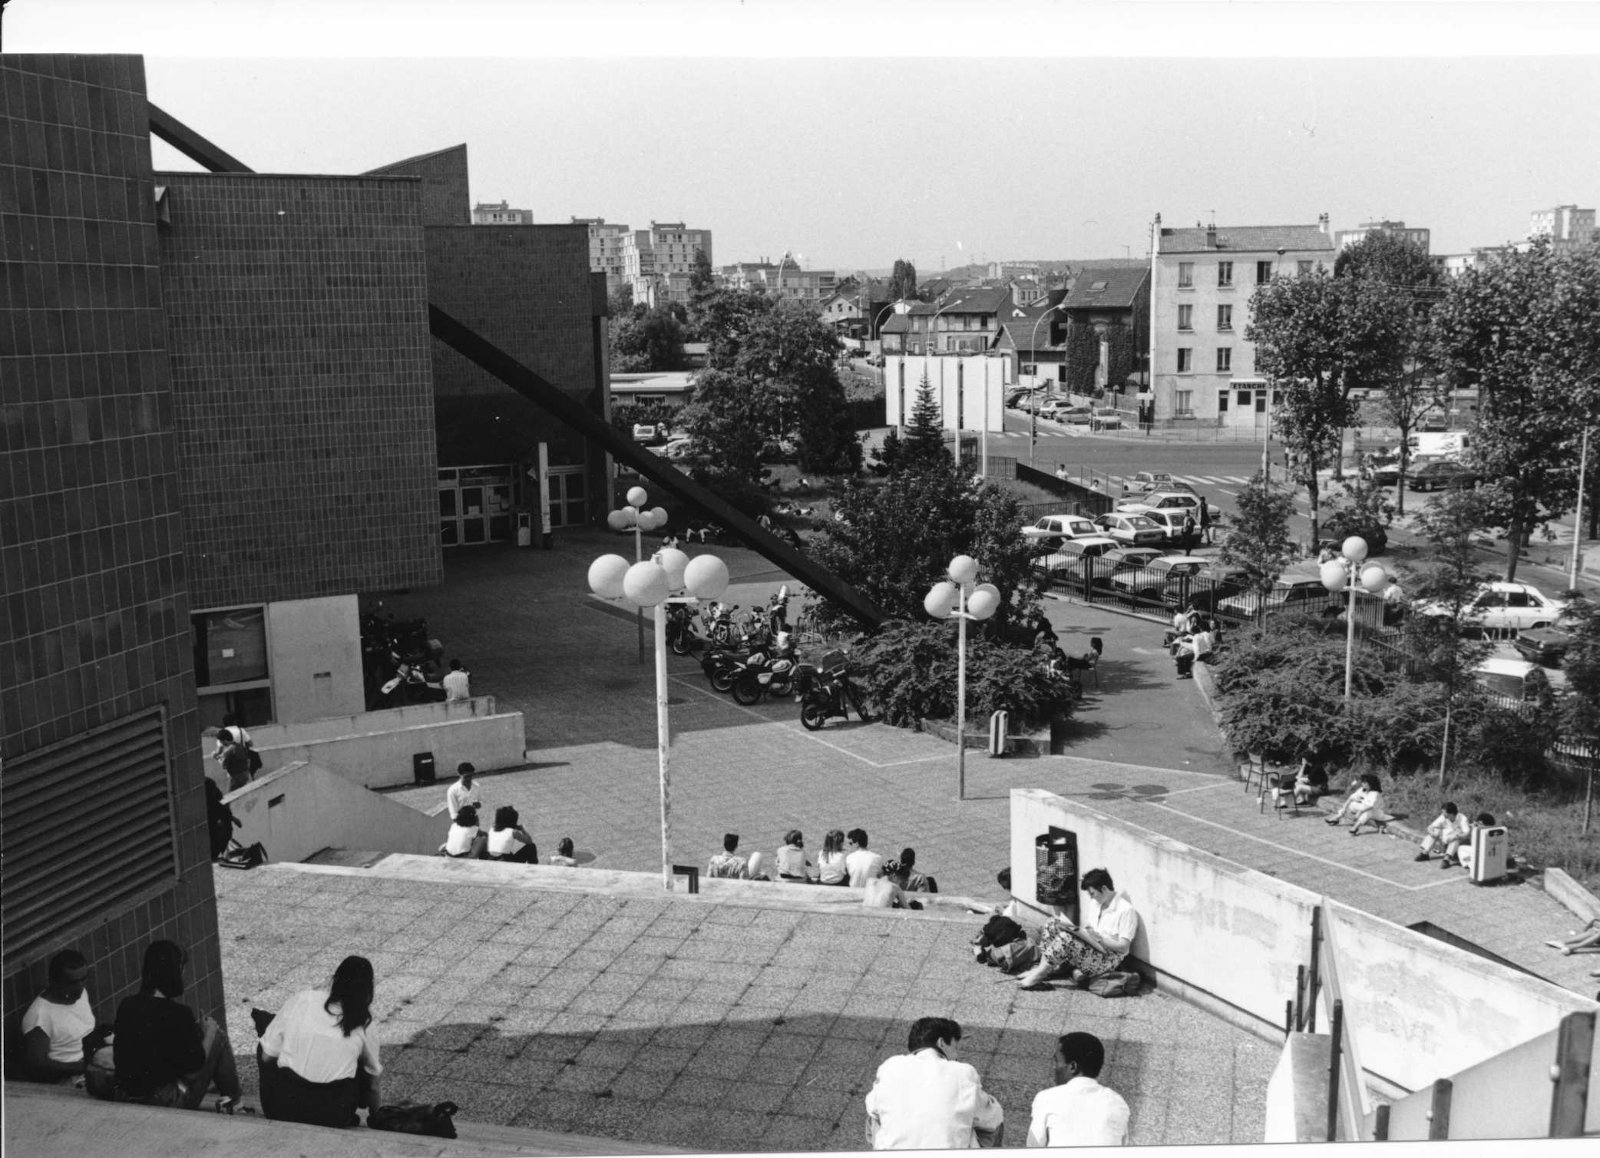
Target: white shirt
924 1101
831 868
455 796
459 842
65 1025
862 864
455 684
1448 828
1080 1113
1117 924
232 734
503 842
306 1038
792 860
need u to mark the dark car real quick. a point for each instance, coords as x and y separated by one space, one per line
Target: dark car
1543 645
1443 473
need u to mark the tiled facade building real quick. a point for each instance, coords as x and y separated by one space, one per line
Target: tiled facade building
1201 280
606 243
444 183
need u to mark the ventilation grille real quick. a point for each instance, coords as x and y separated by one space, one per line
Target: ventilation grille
85 826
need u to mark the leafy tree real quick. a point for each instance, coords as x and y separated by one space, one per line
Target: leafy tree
1387 257
887 456
647 340
1321 337
903 280
725 420
1363 509
923 446
1579 710
723 318
702 281
909 671
895 539
1259 539
620 301
1521 331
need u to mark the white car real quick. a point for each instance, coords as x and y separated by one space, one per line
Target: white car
1075 558
1056 529
1162 500
1131 530
1503 607
1106 418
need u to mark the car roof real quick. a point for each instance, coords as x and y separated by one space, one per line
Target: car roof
1086 541
1186 559
1153 553
1501 665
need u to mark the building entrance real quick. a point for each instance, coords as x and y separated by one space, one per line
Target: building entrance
474 505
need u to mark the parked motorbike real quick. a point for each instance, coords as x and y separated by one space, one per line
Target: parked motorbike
723 666
409 686
823 693
774 674
681 636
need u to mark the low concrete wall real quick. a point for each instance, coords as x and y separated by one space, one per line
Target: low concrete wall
301 809
1421 1009
374 749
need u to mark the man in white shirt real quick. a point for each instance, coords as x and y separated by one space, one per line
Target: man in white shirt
1447 832
925 1100
54 1026
455 682
463 791
859 861
1078 1110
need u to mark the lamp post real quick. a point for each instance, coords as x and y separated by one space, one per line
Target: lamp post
961 597
1033 409
1341 573
651 583
640 520
1577 514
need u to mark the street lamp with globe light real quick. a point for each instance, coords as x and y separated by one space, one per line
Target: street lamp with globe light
640 520
962 598
1341 573
652 583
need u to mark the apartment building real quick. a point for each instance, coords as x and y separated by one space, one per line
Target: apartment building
605 250
1201 279
1345 238
1566 226
652 257
500 213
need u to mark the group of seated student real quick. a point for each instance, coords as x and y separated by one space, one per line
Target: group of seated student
845 860
507 841
1307 783
1364 806
1193 636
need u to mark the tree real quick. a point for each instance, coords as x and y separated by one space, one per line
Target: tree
1321 337
723 317
1579 710
903 281
1414 388
1259 539
725 420
702 281
620 301
1521 331
647 340
923 445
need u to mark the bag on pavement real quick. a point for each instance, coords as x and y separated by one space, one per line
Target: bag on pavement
1115 985
410 1118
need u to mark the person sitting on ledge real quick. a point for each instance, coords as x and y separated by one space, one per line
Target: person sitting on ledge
831 867
164 1055
1088 951
1370 810
903 872
318 1057
55 1025
728 863
509 841
465 840
1353 803
564 852
756 870
1445 833
793 864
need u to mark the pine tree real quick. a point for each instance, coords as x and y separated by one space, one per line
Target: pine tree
1259 540
923 447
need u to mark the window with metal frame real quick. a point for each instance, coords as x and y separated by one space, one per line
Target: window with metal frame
113 783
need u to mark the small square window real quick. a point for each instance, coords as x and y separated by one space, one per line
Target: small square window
1224 273
1263 272
1185 274
1224 359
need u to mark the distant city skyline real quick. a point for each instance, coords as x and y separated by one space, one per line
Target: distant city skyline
852 162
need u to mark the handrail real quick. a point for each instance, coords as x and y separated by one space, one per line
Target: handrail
1347 1092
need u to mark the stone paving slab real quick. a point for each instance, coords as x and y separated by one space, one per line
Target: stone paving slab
711 1026
525 624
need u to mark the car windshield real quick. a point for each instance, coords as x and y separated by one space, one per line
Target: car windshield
1140 522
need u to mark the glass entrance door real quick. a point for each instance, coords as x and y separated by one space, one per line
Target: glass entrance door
474 505
569 506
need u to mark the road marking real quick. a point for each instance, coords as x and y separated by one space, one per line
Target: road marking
1233 478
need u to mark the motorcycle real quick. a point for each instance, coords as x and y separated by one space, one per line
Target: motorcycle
774 674
823 693
409 686
724 666
681 635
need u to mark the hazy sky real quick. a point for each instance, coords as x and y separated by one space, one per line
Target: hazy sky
852 134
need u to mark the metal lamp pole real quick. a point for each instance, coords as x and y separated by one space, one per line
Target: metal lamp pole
1577 515
650 583
962 598
1341 573
1033 409
640 520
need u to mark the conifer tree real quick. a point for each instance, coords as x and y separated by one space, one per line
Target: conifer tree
923 447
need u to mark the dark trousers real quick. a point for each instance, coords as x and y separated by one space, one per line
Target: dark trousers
527 854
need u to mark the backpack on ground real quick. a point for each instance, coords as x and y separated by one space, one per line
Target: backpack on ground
1015 956
997 931
1115 985
240 857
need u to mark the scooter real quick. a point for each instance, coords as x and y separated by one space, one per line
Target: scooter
774 675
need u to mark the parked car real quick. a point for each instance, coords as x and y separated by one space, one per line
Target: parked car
1075 559
1075 416
1053 530
1170 520
1501 606
1546 646
1209 586
648 432
1146 481
875 360
1053 408
1106 418
1162 500
677 448
1015 398
1287 594
1122 561
1164 579
1516 683
1441 473
1130 530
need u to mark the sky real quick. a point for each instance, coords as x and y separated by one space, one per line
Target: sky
852 134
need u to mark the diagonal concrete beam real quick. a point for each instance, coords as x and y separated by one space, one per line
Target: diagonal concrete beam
566 409
597 430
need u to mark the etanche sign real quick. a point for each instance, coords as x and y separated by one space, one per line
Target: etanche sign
970 389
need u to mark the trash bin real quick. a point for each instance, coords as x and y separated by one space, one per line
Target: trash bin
1488 859
998 723
524 528
422 768
1055 858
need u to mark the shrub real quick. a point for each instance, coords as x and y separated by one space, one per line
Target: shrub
909 670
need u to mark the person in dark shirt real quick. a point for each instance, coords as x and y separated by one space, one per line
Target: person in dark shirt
164 1055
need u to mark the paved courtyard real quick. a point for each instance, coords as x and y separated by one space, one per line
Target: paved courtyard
708 1026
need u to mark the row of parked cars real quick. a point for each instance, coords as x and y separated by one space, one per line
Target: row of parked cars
1061 410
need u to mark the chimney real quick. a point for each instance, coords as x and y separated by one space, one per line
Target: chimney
1322 223
1211 236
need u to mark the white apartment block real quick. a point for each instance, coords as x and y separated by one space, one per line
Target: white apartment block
500 213
1566 226
1201 280
651 257
605 250
1345 238
785 279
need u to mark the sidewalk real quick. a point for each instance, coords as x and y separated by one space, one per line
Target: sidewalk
525 625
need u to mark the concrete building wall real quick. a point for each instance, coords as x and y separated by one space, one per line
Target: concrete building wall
301 809
296 314
960 385
314 647
94 626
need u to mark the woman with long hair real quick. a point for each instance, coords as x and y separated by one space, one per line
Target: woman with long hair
164 1054
319 1055
830 861
509 841
465 840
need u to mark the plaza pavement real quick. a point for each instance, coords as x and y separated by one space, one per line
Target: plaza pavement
1143 747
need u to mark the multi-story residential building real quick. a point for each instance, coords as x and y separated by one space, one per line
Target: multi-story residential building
964 321
1345 238
1566 226
651 256
605 250
1201 279
1454 264
785 278
500 213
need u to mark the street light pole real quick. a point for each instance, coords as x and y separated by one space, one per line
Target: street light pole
961 597
635 516
1337 574
1577 515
